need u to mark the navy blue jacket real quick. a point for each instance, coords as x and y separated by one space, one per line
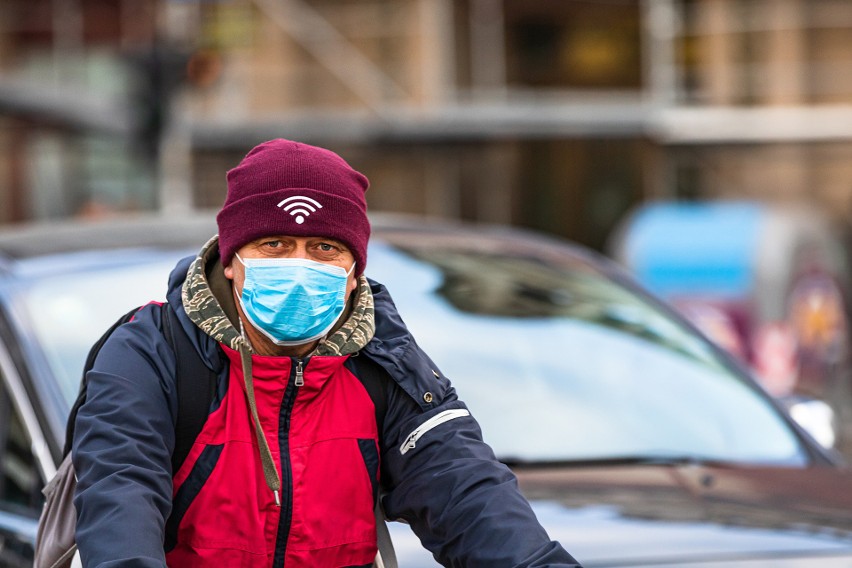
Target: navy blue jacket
462 503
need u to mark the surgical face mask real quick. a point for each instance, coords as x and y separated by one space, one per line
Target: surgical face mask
293 301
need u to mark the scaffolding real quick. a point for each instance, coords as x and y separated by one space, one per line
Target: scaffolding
394 73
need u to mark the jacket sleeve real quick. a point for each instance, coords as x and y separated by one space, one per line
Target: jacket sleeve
123 440
443 480
463 504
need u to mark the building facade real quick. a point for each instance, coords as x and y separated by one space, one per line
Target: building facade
554 114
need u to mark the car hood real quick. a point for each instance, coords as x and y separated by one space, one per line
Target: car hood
696 516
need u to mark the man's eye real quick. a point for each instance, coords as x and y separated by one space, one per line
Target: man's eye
325 247
272 244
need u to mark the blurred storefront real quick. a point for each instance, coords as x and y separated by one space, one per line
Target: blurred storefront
555 114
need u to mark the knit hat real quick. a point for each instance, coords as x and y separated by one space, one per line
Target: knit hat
288 188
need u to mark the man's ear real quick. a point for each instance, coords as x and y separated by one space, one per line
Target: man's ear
229 271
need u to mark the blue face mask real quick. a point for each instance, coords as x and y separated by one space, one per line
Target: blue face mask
293 301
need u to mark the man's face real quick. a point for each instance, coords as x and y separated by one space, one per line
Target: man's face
319 249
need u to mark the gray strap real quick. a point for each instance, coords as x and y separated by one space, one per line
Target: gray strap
386 557
273 481
67 558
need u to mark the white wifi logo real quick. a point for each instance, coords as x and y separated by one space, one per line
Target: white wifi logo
300 207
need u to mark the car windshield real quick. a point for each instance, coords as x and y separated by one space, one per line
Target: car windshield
560 363
557 361
68 313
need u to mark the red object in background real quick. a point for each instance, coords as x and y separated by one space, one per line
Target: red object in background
776 358
817 313
719 323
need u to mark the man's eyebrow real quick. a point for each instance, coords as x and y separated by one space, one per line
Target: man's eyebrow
261 240
272 238
330 240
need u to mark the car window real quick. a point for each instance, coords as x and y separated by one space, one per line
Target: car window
559 362
20 481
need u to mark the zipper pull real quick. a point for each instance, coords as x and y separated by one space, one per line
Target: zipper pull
300 377
410 442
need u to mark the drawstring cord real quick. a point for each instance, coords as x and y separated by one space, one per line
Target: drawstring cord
273 481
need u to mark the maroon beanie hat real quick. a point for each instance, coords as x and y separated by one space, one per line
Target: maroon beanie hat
288 188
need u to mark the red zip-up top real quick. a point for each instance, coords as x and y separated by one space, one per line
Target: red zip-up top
319 422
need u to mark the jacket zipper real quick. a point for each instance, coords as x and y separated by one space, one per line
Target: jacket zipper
300 376
445 416
296 380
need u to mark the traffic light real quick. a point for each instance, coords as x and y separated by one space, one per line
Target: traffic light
156 75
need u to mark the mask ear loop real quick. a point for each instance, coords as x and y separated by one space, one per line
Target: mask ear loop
244 335
238 302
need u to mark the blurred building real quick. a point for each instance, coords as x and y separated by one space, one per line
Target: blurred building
68 143
761 102
555 114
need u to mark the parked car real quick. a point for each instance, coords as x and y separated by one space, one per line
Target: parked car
637 440
770 284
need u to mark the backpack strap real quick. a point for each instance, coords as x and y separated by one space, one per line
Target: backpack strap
375 380
196 384
196 387
90 362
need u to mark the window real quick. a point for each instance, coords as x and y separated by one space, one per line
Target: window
20 482
574 45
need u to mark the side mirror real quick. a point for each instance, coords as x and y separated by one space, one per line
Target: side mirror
815 416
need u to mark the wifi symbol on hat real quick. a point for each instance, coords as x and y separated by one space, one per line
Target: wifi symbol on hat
300 207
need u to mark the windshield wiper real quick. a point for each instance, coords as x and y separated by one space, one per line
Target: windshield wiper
661 460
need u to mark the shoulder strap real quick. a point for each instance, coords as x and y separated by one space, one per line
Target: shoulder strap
90 362
196 387
375 380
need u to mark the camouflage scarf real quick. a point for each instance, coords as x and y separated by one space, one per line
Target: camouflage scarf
208 310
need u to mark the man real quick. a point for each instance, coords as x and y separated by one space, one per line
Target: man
288 464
